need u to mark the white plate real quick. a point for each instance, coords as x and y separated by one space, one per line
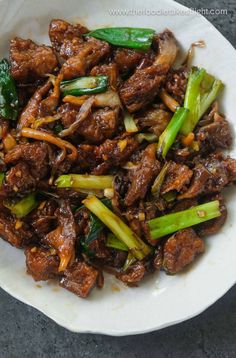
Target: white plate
160 300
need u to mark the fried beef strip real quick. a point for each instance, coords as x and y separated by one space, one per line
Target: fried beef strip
90 53
41 264
66 37
211 175
143 176
181 249
16 235
134 274
79 278
29 61
176 83
216 135
63 238
177 177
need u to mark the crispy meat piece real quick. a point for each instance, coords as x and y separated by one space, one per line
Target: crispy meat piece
216 135
176 83
143 176
155 119
29 61
31 111
181 249
43 219
230 165
127 59
41 264
142 87
86 160
68 113
90 54
35 154
62 239
80 278
113 153
133 274
18 181
211 175
99 125
10 232
177 176
110 70
62 34
213 226
158 258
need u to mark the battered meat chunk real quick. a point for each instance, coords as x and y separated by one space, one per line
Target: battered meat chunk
154 119
142 87
35 154
29 61
90 53
176 83
181 249
113 153
68 113
134 273
143 176
79 278
177 176
43 219
31 111
216 135
211 175
41 264
62 239
10 232
158 258
127 59
100 125
110 70
18 181
62 33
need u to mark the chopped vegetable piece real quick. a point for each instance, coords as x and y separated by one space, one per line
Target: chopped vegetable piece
2 175
84 181
167 138
130 125
129 261
22 207
169 101
149 137
170 196
84 85
202 90
115 243
138 38
8 93
58 128
156 188
171 223
136 246
96 226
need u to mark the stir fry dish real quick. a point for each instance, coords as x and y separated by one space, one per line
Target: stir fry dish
111 156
